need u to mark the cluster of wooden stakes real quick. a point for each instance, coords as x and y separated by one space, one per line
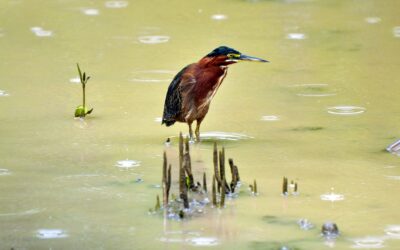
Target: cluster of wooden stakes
220 186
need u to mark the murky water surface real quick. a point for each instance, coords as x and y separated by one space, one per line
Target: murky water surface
321 113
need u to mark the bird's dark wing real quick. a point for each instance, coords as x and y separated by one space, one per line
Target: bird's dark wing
173 100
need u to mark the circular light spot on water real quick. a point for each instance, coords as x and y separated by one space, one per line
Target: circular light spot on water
91 12
51 234
153 39
4 171
75 80
332 197
223 136
372 20
346 110
116 4
203 241
368 243
393 231
396 31
40 32
3 93
152 76
296 36
270 118
219 17
127 164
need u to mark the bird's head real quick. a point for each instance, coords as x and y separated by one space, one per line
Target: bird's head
225 56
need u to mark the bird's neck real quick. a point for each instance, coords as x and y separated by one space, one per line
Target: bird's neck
214 62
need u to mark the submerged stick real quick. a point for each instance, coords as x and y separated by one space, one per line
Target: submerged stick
204 182
158 206
255 187
222 169
223 192
164 181
285 186
215 161
234 175
295 187
188 165
168 181
182 178
214 191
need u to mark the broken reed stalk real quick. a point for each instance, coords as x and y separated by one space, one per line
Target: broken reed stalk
222 169
215 161
182 177
188 165
214 192
234 175
164 181
255 187
295 187
223 192
168 181
158 206
204 182
285 186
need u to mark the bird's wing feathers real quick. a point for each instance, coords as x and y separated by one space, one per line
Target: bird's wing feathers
173 99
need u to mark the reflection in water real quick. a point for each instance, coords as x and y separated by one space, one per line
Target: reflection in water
51 234
153 39
127 164
296 36
4 171
368 243
269 118
346 110
116 4
372 20
219 17
91 12
39 31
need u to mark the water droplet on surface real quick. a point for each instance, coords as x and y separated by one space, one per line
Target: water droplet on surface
296 36
219 17
116 4
372 20
91 12
127 164
368 243
203 241
4 171
346 110
51 234
153 39
270 118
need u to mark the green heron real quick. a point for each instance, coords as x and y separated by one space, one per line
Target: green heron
190 93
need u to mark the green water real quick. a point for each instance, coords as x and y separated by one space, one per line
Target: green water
60 173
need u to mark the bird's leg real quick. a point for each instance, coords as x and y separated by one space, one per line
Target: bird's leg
190 131
197 131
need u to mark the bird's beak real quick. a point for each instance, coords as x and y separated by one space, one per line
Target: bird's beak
251 58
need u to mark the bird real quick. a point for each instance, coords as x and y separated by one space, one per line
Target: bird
190 93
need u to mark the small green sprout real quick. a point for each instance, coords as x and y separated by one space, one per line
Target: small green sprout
81 111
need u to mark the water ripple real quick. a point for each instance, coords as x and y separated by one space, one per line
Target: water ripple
393 231
153 39
332 197
51 233
4 171
116 4
203 241
368 243
125 164
219 17
223 136
296 36
270 118
40 32
91 12
346 110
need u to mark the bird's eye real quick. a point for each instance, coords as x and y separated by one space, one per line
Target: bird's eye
233 56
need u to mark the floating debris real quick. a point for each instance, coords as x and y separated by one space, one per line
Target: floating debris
51 234
127 164
3 93
305 224
270 118
373 20
368 243
91 12
394 148
393 231
346 110
4 171
219 17
296 36
330 230
153 39
40 32
116 4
